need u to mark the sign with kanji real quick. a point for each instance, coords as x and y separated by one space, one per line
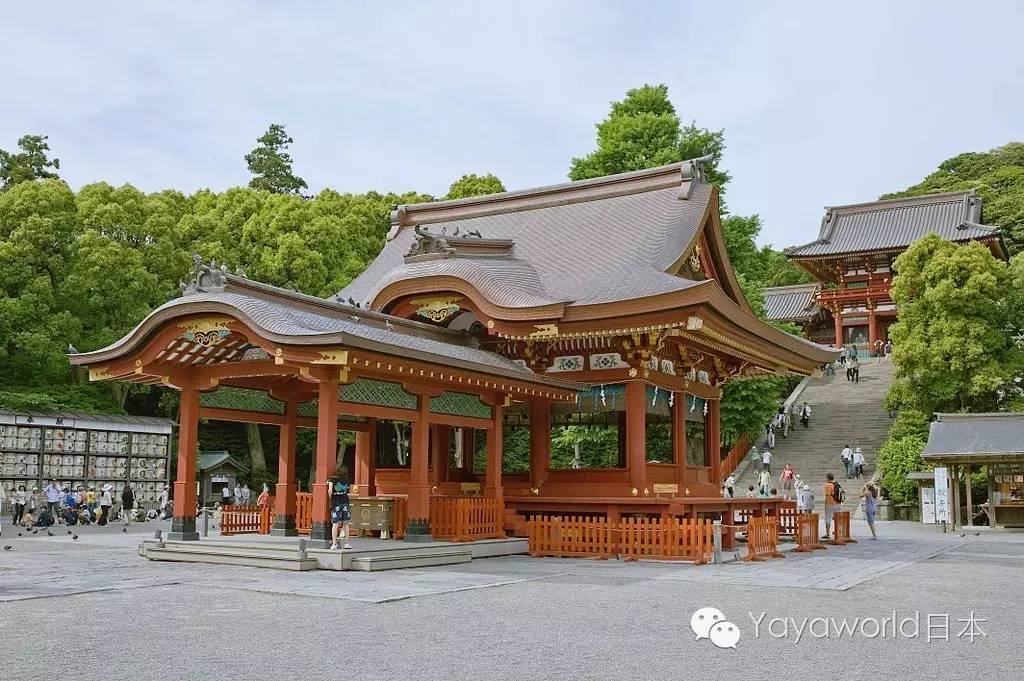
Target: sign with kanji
942 495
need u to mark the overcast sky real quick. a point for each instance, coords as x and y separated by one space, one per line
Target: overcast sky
821 104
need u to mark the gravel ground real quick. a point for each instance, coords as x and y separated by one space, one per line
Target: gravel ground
95 607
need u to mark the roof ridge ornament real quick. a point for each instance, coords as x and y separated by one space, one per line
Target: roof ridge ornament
433 246
205 277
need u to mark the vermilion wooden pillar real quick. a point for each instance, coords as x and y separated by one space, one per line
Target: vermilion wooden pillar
440 459
284 496
183 523
872 328
418 528
679 438
326 458
636 434
838 317
713 442
366 459
540 441
495 440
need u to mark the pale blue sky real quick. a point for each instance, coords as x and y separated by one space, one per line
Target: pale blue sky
821 104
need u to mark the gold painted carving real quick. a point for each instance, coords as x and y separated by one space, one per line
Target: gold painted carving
99 374
544 331
437 309
332 357
695 258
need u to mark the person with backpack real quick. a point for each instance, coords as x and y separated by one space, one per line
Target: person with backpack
786 478
834 497
847 458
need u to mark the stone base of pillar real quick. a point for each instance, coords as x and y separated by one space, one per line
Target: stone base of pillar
183 529
284 526
320 535
418 530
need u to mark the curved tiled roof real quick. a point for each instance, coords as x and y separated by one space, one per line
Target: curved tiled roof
293 318
593 243
896 223
979 435
791 303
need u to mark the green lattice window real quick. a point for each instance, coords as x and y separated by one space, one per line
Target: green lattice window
460 404
377 393
242 399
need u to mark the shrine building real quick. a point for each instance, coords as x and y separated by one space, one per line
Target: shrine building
852 260
559 349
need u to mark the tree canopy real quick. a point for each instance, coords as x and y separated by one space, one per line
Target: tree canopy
271 164
953 343
31 163
644 131
474 185
998 177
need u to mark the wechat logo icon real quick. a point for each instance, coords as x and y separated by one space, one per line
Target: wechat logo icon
711 624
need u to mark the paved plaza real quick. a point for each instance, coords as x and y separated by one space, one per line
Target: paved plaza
95 606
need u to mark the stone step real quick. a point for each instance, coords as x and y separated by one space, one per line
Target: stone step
221 556
397 560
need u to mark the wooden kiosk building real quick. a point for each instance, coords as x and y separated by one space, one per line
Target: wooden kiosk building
601 304
852 261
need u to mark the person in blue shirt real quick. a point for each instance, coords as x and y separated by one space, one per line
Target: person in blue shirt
341 511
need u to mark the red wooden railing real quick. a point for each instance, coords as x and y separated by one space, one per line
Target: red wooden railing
841 529
236 519
303 511
807 538
762 539
630 538
466 518
736 453
787 517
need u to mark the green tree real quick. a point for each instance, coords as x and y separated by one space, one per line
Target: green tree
952 347
998 177
31 163
271 164
472 184
643 131
897 458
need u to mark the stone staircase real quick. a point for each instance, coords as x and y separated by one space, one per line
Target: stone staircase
841 413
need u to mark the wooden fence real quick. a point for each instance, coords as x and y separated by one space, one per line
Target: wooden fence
630 538
303 512
841 529
787 517
807 538
466 518
762 539
236 519
737 453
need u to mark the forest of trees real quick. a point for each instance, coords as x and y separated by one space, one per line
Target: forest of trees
81 268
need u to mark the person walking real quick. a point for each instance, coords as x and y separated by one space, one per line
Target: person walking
127 506
766 462
847 458
771 437
763 480
3 498
19 499
858 462
854 369
834 497
106 504
729 486
807 498
870 496
842 354
805 415
786 478
238 494
887 348
246 494
755 458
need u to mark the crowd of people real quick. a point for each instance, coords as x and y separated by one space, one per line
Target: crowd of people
56 505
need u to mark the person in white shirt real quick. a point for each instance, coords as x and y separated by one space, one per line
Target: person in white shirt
858 462
766 461
3 498
238 493
771 438
246 495
847 457
226 495
729 487
164 499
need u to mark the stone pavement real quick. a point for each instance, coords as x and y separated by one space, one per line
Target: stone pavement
496 618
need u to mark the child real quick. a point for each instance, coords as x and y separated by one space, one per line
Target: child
750 492
341 511
808 496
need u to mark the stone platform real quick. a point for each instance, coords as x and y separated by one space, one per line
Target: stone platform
366 554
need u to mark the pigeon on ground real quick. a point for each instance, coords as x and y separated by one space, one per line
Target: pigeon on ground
74 536
35 531
49 534
124 529
19 534
7 547
69 531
